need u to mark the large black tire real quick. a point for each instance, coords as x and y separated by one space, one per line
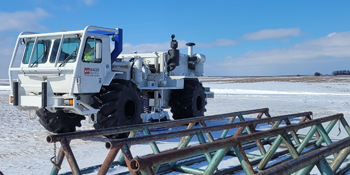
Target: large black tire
119 104
59 122
188 102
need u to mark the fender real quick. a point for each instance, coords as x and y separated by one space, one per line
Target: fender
109 77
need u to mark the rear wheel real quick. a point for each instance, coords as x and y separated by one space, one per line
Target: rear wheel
188 102
59 122
119 104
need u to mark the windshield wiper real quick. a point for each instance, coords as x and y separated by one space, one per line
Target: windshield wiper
36 61
68 57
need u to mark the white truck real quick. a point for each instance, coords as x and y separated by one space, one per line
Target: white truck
65 76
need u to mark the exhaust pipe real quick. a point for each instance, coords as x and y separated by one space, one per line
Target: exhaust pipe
190 48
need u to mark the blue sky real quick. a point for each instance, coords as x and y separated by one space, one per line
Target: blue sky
239 38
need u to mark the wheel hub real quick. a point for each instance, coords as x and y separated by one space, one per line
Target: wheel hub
129 108
199 103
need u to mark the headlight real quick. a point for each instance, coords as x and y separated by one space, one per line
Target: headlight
68 102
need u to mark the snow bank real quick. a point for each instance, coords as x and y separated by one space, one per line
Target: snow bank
33 155
266 92
4 88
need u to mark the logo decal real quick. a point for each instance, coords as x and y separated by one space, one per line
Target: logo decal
91 72
86 71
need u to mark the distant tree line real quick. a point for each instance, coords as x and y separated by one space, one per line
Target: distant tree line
317 74
341 72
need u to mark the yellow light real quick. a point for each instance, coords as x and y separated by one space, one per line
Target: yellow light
11 99
71 102
63 31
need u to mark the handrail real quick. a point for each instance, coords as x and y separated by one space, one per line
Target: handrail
101 29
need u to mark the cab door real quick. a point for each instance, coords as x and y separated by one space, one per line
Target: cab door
93 67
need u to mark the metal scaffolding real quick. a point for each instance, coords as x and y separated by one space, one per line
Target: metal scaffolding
252 146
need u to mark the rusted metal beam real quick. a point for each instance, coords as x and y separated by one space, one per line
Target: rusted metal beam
58 161
243 159
305 160
108 161
128 158
121 159
70 157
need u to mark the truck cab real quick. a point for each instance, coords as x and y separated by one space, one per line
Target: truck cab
55 66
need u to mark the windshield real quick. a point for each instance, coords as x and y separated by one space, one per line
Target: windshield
40 52
69 50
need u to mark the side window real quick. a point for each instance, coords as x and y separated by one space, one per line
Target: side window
93 51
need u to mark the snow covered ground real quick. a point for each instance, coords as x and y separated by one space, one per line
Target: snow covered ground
24 150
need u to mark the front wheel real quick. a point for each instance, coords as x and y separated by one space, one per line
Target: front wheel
119 104
188 102
59 122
